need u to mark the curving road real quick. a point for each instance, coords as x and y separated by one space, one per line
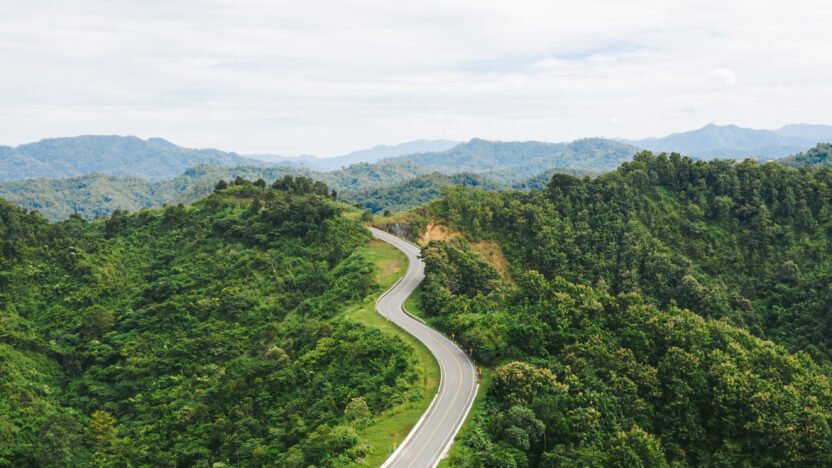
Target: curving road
432 436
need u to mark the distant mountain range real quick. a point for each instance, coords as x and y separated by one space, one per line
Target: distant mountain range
369 155
93 175
510 162
153 159
97 194
733 142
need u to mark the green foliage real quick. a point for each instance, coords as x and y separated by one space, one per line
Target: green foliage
98 195
540 181
743 242
591 337
819 156
395 184
192 335
415 192
588 379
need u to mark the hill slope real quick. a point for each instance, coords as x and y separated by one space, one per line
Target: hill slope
96 194
539 181
632 329
742 242
819 156
192 336
153 159
415 192
583 378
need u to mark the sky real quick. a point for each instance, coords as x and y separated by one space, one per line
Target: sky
329 77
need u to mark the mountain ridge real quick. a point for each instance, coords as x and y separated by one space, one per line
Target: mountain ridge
153 159
734 142
368 155
512 161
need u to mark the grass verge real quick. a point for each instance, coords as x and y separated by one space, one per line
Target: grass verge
412 303
394 424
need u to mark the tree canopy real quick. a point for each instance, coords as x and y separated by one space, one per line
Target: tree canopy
191 336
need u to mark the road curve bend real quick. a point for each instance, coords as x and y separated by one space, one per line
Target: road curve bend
431 437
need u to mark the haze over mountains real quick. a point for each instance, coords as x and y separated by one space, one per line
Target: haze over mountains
153 159
369 155
93 175
510 162
733 142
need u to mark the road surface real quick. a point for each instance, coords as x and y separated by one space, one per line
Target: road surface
433 435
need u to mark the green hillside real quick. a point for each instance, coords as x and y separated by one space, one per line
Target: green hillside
87 175
670 313
194 336
742 242
583 378
819 156
389 186
415 192
97 195
426 188
539 181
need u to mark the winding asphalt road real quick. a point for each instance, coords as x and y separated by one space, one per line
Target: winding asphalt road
432 436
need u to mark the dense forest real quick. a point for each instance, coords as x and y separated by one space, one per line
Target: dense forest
192 336
819 156
539 181
98 195
378 187
744 242
669 313
584 378
630 327
416 192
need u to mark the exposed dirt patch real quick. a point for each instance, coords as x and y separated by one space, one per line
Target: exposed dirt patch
492 253
435 231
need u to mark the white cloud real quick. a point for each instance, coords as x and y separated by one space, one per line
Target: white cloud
327 76
724 76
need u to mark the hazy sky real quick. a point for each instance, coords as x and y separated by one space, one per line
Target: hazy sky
328 77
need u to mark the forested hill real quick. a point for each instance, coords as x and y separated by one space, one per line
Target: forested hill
631 329
426 188
192 336
583 378
539 181
415 192
744 242
819 156
98 194
511 162
153 159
